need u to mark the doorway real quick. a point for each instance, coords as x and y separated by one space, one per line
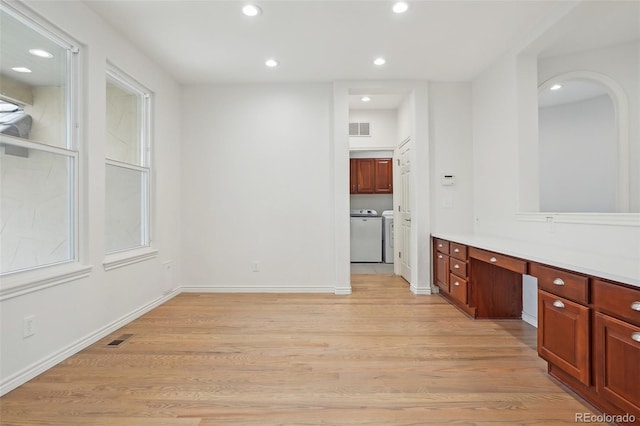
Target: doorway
373 142
412 122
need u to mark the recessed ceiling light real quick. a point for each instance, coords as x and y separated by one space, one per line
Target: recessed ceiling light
556 87
400 7
365 99
271 63
41 53
21 69
380 61
251 10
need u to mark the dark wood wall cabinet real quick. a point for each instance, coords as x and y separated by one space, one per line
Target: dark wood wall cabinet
588 327
371 175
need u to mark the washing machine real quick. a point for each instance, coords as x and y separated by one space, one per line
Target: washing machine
365 236
387 236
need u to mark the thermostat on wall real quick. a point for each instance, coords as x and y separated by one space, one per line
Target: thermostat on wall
448 180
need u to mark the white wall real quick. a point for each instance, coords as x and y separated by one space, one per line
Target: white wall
383 129
451 154
258 186
71 315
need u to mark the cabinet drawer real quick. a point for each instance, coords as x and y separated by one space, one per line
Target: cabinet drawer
500 260
458 251
458 267
458 288
619 301
562 283
442 246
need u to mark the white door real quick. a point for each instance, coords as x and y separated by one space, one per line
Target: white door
403 209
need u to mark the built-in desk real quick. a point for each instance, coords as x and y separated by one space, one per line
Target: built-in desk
588 309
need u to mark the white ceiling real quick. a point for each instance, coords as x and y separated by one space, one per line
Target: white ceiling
600 24
209 41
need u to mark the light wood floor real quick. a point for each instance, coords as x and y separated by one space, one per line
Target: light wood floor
381 356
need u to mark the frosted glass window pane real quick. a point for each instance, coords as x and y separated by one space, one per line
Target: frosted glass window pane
42 93
124 209
123 124
35 213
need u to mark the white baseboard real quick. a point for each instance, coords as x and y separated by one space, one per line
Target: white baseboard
250 288
342 291
420 291
530 319
40 367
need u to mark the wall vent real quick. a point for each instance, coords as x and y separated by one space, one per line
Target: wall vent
359 129
120 340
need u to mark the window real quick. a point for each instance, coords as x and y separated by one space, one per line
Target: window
127 176
38 145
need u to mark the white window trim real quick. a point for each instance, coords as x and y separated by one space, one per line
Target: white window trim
16 284
125 257
128 257
24 281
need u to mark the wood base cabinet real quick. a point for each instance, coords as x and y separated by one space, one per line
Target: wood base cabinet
450 272
589 332
617 352
563 335
617 344
588 327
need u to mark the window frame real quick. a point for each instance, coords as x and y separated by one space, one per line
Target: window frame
127 256
28 279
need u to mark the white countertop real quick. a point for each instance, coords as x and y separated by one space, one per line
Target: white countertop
614 268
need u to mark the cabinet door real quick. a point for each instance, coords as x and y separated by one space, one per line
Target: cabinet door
442 271
617 362
383 176
563 335
353 176
366 172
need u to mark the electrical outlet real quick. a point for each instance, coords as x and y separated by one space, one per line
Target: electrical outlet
29 326
255 266
168 276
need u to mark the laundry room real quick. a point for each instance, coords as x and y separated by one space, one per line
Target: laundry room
373 138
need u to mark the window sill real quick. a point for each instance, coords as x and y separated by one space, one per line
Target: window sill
22 283
613 219
118 260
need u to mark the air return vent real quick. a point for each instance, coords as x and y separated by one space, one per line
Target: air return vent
359 129
120 340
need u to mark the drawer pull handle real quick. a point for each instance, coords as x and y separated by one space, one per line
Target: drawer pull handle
493 260
636 337
456 250
456 266
558 304
439 245
456 283
439 256
558 281
635 306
